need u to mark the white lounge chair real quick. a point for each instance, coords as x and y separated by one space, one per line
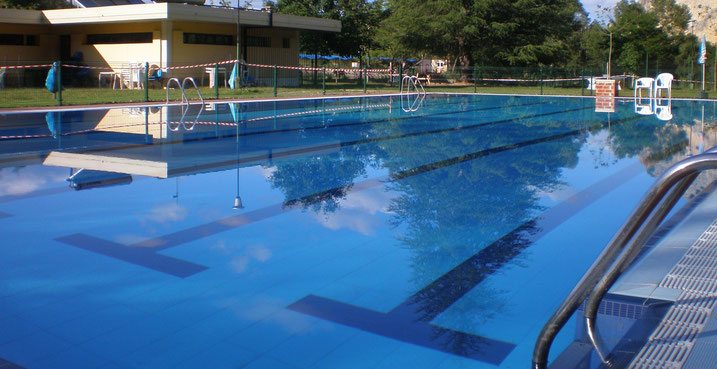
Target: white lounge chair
663 81
641 84
2 77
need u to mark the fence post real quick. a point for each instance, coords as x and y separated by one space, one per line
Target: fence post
58 82
365 77
582 82
475 78
400 77
216 80
274 80
146 82
541 79
323 81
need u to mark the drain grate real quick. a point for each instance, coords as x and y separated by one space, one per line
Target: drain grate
696 275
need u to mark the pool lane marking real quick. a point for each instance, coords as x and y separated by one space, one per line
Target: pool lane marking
4 364
208 229
135 255
411 318
152 246
4 215
413 332
410 321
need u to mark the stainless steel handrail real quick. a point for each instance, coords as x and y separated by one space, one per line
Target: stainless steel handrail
181 89
406 93
679 177
190 79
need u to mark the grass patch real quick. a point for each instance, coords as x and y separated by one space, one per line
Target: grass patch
38 97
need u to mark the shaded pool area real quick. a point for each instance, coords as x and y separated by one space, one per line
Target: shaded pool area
327 233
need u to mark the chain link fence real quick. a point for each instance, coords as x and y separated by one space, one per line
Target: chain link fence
48 84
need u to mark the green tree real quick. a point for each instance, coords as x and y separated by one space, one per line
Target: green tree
359 22
492 32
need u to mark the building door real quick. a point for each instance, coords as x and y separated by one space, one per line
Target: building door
65 48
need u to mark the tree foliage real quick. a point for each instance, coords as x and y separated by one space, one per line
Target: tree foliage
359 23
492 32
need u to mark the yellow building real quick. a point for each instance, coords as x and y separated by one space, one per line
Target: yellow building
161 34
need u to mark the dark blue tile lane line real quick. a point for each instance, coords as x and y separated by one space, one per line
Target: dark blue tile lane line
4 215
418 333
151 246
4 364
410 321
140 256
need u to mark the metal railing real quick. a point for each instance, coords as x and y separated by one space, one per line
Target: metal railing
181 89
617 256
412 94
190 79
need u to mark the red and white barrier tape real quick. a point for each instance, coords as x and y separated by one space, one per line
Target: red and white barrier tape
26 66
84 67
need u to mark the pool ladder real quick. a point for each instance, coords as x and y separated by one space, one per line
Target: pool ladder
185 103
182 88
620 253
412 93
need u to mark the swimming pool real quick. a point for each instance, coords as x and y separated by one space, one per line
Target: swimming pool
327 233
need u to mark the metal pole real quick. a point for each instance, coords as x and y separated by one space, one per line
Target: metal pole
146 82
365 77
216 80
58 82
582 83
541 80
238 66
475 78
400 75
274 80
323 81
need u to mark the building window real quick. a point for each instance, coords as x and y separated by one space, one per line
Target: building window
286 43
8 39
30 40
120 38
208 39
258 41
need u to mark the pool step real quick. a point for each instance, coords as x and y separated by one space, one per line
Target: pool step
670 345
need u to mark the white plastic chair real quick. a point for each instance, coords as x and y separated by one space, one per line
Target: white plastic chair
663 81
2 77
643 109
663 112
644 83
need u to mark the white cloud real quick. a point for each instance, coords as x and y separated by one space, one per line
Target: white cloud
24 180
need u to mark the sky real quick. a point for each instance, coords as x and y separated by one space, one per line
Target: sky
591 6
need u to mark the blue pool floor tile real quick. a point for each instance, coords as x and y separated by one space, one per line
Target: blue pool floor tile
221 355
364 350
13 328
314 344
169 351
267 333
28 350
72 358
115 345
97 323
269 363
223 324
410 356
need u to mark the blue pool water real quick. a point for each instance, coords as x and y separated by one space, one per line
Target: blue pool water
338 233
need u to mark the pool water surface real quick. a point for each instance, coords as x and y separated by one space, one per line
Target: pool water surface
328 233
